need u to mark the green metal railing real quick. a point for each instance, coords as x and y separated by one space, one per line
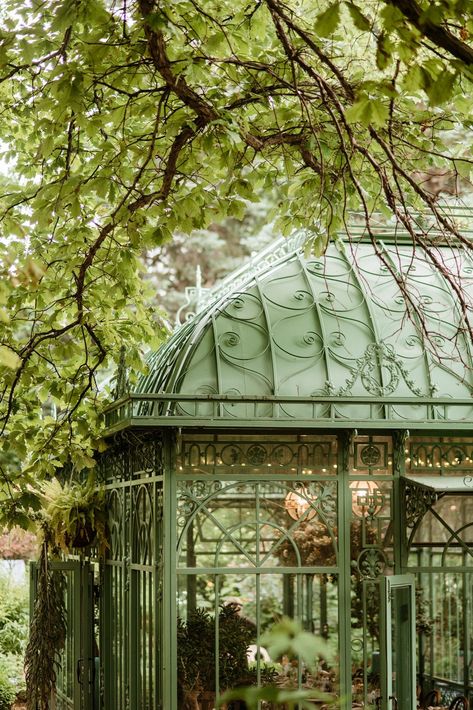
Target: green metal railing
173 410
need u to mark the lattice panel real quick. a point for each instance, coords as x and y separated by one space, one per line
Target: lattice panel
228 454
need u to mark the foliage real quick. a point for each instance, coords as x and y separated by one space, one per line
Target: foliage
196 650
7 689
14 617
123 123
74 514
11 677
47 634
18 544
14 625
315 543
216 251
425 622
285 638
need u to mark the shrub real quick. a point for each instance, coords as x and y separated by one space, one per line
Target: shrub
7 685
14 615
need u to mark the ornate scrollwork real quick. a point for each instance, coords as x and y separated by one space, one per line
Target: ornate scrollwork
256 455
312 454
370 455
371 563
400 439
190 494
379 356
324 498
418 501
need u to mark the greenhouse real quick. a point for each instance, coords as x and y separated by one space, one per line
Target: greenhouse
301 447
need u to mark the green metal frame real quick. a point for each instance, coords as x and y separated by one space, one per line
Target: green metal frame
76 680
164 467
398 658
189 473
133 596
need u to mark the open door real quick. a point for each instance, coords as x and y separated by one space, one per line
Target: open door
398 668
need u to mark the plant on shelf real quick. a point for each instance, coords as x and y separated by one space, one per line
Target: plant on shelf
74 514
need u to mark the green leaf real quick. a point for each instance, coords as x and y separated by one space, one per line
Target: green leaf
9 358
327 22
383 51
367 111
319 245
441 90
360 20
391 17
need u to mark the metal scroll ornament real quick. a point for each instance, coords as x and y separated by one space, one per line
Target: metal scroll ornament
418 501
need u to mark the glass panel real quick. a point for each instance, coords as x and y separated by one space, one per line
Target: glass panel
399 643
217 636
289 454
444 455
365 642
447 630
402 647
66 674
371 553
371 455
257 524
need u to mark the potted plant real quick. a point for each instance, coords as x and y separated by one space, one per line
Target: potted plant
74 514
196 655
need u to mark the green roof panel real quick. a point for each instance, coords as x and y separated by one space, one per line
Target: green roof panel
356 335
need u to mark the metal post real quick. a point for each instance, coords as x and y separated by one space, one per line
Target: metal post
344 601
169 639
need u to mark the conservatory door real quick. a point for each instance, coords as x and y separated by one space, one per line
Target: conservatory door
398 690
76 677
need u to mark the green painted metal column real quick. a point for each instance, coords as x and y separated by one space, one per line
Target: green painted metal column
344 564
399 507
169 638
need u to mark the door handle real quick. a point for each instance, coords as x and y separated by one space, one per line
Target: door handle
80 669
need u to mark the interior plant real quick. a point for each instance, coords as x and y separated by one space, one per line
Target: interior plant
196 654
285 638
74 513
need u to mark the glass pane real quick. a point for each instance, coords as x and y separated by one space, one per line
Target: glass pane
365 642
257 524
442 455
371 455
401 644
229 453
221 618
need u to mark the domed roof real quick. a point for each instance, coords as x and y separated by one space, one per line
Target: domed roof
362 334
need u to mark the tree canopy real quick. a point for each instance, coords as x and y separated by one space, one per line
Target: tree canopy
124 121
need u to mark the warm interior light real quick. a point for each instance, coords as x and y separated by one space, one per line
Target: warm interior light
366 498
297 504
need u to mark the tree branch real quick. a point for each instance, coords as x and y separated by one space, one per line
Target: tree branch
438 34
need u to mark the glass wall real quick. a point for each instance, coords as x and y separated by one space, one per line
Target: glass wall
297 526
439 530
257 540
